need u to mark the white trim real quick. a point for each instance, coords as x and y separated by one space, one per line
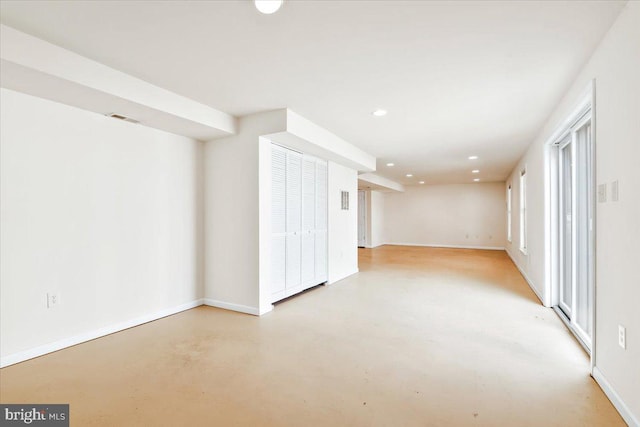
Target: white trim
583 111
363 211
374 246
551 225
331 282
594 243
436 245
529 281
615 398
235 307
584 104
523 223
41 350
509 212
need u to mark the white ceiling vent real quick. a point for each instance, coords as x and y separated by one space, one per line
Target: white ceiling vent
123 118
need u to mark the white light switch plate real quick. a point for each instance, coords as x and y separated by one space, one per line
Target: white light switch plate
602 193
614 191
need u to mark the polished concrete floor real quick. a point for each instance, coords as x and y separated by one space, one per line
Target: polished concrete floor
420 337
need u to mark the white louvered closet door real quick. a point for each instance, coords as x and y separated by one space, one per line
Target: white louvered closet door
321 274
278 221
298 221
294 220
308 221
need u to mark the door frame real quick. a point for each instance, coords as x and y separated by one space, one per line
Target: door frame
566 141
362 216
584 106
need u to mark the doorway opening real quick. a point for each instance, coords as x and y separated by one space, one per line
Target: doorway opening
362 218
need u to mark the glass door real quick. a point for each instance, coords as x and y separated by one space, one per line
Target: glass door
566 226
583 212
575 229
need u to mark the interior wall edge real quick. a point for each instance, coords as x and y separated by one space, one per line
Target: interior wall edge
342 277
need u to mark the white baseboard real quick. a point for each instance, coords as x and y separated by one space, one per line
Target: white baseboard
332 281
265 310
614 397
526 278
373 246
233 307
435 245
91 335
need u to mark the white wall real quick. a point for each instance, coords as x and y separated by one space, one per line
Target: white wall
462 215
105 213
343 224
231 221
376 232
233 176
238 217
615 66
531 265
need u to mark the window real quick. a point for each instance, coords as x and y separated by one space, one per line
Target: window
523 211
509 213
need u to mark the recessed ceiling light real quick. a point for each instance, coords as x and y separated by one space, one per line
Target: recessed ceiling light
391 164
268 6
409 175
475 171
379 112
473 157
421 182
476 179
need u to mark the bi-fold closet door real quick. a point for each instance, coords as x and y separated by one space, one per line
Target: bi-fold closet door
298 221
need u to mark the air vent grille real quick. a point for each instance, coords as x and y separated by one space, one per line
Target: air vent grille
123 118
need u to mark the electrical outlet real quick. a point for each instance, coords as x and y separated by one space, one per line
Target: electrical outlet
622 337
52 300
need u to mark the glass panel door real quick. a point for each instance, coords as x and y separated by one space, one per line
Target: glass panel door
575 229
583 219
566 226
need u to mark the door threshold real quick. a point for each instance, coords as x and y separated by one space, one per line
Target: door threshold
567 323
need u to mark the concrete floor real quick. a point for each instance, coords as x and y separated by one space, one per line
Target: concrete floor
420 337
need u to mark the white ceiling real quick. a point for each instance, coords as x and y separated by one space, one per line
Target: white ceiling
457 78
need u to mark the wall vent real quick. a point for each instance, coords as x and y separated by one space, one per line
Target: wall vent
344 200
121 117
